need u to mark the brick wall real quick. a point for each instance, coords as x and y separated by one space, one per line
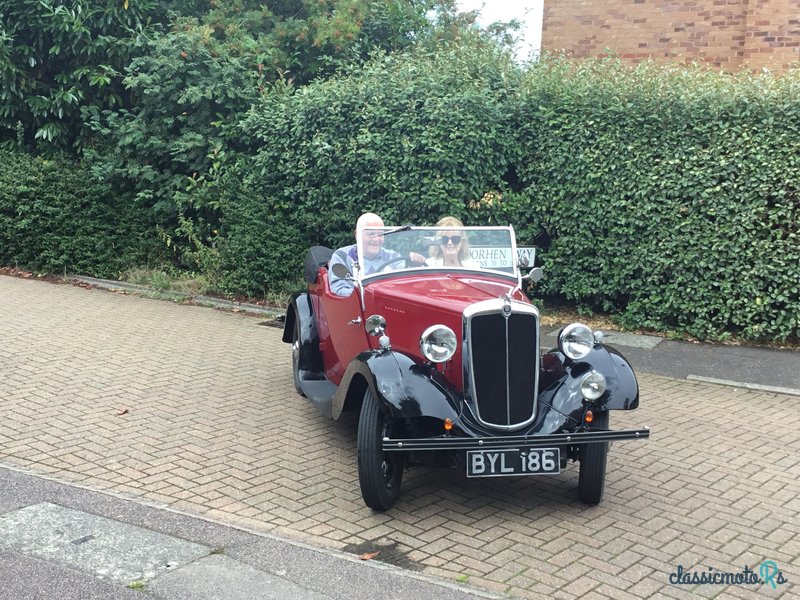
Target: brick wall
772 38
728 34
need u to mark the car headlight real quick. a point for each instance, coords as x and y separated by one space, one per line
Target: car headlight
576 341
438 343
593 385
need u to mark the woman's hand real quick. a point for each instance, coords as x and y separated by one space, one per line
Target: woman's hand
416 257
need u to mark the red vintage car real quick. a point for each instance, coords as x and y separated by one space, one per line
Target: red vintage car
443 362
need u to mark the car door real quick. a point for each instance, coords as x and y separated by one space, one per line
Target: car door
346 337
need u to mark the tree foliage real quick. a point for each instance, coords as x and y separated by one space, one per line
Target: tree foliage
314 37
189 89
191 85
59 55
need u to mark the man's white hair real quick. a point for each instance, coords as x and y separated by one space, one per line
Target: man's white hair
368 220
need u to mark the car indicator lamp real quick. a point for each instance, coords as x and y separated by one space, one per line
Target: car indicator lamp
593 385
576 341
438 343
448 424
589 416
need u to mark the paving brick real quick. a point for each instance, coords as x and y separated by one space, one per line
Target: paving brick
614 592
214 427
581 587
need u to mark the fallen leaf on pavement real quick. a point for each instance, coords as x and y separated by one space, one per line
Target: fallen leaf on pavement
124 411
369 555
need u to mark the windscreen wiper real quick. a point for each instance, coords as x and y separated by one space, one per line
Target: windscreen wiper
398 229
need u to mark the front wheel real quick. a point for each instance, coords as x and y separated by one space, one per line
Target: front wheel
593 458
379 472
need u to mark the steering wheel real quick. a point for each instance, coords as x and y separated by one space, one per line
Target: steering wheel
385 264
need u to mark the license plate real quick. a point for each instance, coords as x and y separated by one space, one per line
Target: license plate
513 461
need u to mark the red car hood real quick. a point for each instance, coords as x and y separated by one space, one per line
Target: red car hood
446 293
410 304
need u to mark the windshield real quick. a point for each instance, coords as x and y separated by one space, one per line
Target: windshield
401 249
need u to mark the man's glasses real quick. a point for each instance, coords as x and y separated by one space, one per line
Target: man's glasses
456 239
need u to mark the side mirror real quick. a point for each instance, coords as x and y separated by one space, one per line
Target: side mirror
535 275
341 271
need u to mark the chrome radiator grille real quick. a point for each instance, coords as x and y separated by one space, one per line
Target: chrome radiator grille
502 369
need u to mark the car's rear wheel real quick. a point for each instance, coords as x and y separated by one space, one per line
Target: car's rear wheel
593 458
379 472
296 356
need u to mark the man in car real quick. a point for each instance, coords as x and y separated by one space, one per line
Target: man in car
374 254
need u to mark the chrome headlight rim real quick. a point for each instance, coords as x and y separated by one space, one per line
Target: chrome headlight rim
448 343
593 385
576 341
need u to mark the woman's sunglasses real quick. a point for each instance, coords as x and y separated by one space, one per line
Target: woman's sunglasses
456 239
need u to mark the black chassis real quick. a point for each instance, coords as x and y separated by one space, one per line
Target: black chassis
419 398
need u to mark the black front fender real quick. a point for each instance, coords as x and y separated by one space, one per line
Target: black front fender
562 400
406 388
622 391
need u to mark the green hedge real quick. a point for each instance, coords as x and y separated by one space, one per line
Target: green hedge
668 196
54 218
410 137
671 195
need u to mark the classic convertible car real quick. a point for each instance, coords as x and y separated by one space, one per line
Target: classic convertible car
443 363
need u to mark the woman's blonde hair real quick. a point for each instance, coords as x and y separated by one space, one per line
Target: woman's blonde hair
444 223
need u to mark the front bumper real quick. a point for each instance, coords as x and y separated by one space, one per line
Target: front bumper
510 441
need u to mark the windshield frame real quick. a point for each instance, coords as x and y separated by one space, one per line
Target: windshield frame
362 278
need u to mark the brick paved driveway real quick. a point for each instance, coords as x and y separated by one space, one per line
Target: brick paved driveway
213 426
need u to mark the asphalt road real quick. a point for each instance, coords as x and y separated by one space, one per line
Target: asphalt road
749 367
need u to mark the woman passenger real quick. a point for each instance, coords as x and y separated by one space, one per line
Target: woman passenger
452 247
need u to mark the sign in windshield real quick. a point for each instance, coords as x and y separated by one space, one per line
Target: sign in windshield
492 257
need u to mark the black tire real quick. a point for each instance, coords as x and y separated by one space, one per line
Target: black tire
593 458
296 356
379 472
